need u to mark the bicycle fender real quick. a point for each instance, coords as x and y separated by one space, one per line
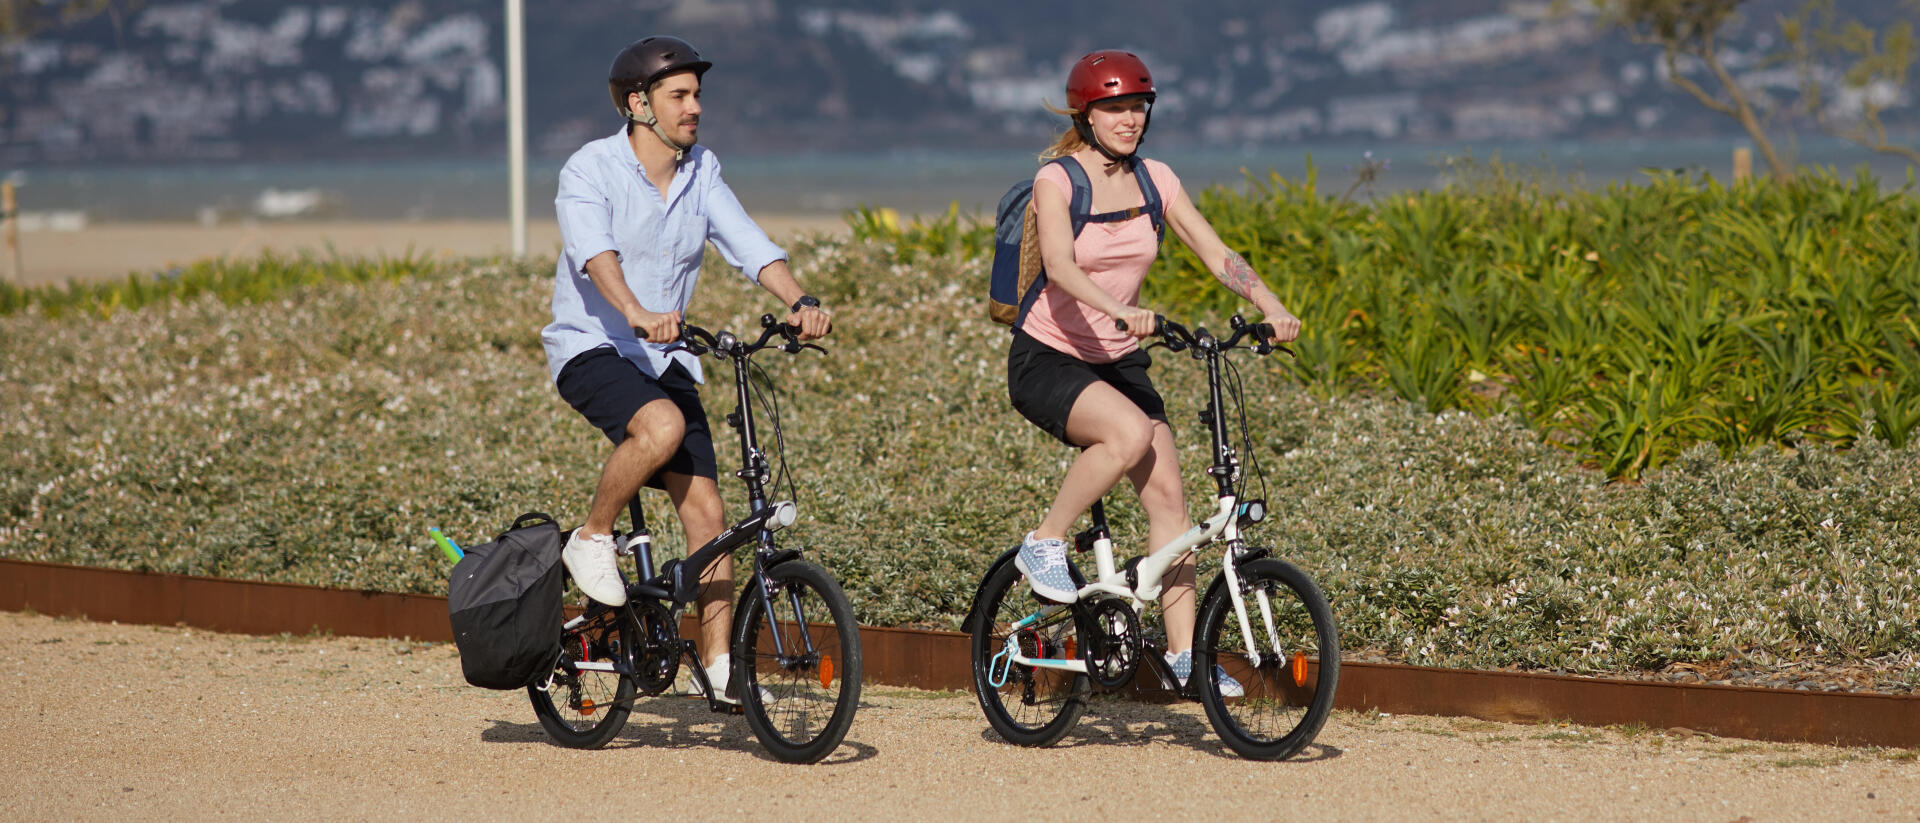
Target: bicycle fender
973 610
1006 559
738 629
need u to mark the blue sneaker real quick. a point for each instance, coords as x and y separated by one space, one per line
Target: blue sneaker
1044 562
1182 666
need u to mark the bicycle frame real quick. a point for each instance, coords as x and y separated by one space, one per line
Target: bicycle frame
678 583
1141 583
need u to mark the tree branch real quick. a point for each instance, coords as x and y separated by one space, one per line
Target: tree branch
1744 110
1690 87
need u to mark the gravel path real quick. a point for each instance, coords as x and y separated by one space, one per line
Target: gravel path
113 722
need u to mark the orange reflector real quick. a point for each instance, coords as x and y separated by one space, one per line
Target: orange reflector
826 671
1071 645
588 707
1299 668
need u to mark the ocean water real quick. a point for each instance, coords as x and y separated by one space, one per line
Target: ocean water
910 181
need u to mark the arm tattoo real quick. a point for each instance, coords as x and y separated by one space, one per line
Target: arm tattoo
1239 276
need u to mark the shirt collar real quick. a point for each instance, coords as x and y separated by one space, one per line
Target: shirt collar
616 148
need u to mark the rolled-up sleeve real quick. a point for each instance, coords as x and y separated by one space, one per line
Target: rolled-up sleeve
585 215
739 240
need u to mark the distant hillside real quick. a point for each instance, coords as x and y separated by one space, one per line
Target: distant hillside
252 80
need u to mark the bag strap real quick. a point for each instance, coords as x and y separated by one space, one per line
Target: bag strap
532 519
1150 201
1080 204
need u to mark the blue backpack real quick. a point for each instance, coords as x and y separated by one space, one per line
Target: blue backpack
1017 273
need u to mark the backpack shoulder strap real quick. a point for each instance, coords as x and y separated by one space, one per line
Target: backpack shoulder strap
1150 193
1080 205
1150 205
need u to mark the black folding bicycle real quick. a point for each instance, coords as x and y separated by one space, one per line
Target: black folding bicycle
795 647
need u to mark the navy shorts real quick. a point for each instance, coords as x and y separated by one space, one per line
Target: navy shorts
609 390
1044 382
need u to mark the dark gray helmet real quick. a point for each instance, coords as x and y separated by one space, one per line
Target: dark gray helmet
637 67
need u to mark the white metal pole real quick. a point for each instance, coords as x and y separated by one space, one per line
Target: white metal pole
517 125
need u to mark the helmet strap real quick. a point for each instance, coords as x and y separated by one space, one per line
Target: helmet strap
646 117
1085 128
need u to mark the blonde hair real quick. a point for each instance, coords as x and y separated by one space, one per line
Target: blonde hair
1069 141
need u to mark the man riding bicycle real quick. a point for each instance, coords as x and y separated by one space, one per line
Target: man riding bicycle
636 210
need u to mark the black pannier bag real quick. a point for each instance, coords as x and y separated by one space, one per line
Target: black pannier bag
504 600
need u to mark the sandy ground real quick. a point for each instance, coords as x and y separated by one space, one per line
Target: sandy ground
114 722
115 249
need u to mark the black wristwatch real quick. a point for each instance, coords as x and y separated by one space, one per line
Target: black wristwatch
805 301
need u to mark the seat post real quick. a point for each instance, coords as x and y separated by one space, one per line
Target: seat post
640 541
1102 541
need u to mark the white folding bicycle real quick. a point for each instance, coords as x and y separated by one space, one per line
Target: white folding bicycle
1263 621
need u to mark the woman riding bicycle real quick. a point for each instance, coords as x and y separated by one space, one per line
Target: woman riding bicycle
1071 370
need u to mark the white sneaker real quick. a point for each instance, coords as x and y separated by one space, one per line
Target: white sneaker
719 673
589 559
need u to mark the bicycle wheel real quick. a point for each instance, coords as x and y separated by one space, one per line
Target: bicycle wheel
1287 695
798 677
1026 705
584 709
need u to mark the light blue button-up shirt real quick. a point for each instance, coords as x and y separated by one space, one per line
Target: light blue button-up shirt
607 203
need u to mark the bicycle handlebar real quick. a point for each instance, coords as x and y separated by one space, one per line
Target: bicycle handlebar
1176 337
699 341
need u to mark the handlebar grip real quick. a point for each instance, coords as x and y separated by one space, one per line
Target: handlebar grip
1159 324
642 333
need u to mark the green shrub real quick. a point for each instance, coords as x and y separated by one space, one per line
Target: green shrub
314 437
1625 324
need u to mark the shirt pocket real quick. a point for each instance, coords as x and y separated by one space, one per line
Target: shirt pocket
690 228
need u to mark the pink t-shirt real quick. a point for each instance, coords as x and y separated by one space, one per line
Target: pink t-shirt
1116 256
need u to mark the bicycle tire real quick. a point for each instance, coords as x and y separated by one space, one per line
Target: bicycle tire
1287 696
1032 706
592 706
813 695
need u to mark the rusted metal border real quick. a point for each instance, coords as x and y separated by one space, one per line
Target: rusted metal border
938 660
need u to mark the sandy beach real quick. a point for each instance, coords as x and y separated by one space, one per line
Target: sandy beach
113 250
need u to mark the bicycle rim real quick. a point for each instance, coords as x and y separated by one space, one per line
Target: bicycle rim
1026 705
585 709
1285 696
800 693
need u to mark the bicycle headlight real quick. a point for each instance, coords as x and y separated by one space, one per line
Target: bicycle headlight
784 513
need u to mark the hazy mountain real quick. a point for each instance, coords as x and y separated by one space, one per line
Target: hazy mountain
243 79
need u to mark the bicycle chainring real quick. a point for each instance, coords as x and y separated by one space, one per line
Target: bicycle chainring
1113 646
656 658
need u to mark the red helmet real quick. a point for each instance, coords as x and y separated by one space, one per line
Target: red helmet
1106 74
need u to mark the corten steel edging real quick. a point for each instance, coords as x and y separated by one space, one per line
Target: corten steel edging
1843 718
939 660
241 606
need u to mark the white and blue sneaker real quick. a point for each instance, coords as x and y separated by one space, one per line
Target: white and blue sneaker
1182 666
1044 562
